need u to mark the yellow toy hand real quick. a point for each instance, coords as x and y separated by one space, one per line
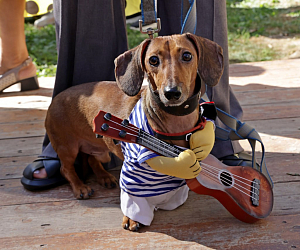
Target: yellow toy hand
202 141
184 166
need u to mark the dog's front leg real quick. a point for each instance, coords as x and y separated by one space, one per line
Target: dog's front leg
104 178
80 190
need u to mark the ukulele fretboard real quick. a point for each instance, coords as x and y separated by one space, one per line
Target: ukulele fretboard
156 145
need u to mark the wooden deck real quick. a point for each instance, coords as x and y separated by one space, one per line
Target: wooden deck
270 95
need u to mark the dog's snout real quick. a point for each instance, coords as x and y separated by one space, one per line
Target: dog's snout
172 93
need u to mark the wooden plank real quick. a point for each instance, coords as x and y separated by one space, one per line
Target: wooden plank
282 168
286 199
13 193
16 147
267 96
202 221
12 167
266 80
275 144
197 236
28 106
288 127
264 74
25 102
13 115
281 110
22 129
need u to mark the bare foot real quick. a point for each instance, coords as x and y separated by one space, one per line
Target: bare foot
24 73
27 71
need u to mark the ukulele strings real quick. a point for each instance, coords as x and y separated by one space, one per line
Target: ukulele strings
212 177
211 172
237 177
151 140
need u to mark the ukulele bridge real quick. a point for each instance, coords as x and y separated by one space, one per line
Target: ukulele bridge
255 187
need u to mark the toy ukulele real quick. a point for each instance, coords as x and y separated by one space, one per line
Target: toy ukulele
243 191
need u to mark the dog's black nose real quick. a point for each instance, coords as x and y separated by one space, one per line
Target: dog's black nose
172 93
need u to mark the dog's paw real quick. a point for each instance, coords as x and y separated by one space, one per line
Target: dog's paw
83 192
130 224
107 180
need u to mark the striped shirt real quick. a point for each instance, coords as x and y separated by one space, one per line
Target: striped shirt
137 177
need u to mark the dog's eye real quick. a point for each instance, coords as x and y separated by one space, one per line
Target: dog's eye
186 56
154 61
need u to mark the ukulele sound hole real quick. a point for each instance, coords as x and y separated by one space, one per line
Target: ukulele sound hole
226 178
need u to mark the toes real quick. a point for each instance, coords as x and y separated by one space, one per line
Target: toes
130 224
109 182
85 192
134 226
125 222
92 192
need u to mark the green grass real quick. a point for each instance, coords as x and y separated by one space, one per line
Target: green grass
251 22
135 37
250 25
263 20
41 46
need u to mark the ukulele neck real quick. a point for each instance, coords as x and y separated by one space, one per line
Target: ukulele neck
156 145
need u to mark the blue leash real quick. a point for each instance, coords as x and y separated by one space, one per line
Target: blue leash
188 16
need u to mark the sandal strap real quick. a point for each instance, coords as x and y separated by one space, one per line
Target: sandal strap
11 76
52 167
16 70
29 170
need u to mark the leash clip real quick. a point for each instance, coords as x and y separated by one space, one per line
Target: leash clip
150 31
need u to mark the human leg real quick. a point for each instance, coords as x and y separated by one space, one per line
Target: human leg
89 37
14 54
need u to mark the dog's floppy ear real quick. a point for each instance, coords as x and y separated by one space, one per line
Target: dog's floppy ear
210 56
129 69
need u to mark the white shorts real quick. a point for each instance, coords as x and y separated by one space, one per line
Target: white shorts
141 209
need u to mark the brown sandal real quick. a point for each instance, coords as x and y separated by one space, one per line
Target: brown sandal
11 77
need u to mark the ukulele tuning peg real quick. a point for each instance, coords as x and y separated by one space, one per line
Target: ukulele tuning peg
122 133
125 122
104 127
107 116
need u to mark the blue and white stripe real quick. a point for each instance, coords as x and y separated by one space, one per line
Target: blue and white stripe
137 177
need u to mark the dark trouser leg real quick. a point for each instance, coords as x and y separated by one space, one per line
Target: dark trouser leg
89 36
211 24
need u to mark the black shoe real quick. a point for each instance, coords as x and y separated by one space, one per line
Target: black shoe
54 178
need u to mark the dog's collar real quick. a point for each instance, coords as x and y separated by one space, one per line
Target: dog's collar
187 107
183 135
